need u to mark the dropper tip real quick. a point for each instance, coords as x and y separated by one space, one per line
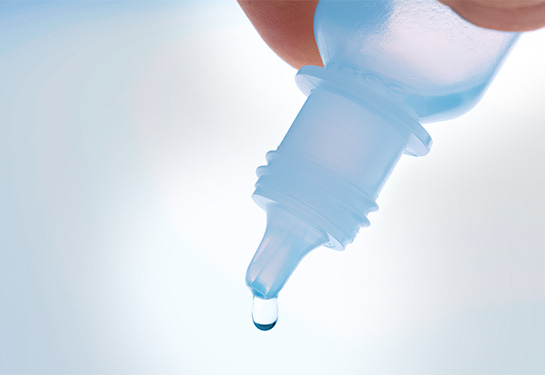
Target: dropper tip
286 241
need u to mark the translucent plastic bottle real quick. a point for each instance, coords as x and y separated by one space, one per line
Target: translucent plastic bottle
389 65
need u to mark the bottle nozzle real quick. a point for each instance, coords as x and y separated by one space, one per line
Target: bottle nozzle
286 241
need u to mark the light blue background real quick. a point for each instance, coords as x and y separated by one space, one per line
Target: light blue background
129 136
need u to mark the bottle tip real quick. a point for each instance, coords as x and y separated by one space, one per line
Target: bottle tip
286 241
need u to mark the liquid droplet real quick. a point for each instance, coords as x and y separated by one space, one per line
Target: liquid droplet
265 313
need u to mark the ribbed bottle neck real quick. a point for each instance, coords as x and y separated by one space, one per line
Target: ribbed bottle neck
332 164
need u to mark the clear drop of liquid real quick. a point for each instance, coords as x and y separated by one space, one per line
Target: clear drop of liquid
265 313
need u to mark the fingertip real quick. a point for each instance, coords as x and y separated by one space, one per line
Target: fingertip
502 15
287 27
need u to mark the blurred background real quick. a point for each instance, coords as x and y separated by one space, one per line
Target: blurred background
130 132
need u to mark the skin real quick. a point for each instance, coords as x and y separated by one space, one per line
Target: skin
286 25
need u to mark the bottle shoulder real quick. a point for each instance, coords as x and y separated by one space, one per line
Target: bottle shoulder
442 63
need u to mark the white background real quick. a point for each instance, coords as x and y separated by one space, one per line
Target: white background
129 137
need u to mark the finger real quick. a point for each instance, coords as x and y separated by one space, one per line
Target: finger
504 15
287 27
